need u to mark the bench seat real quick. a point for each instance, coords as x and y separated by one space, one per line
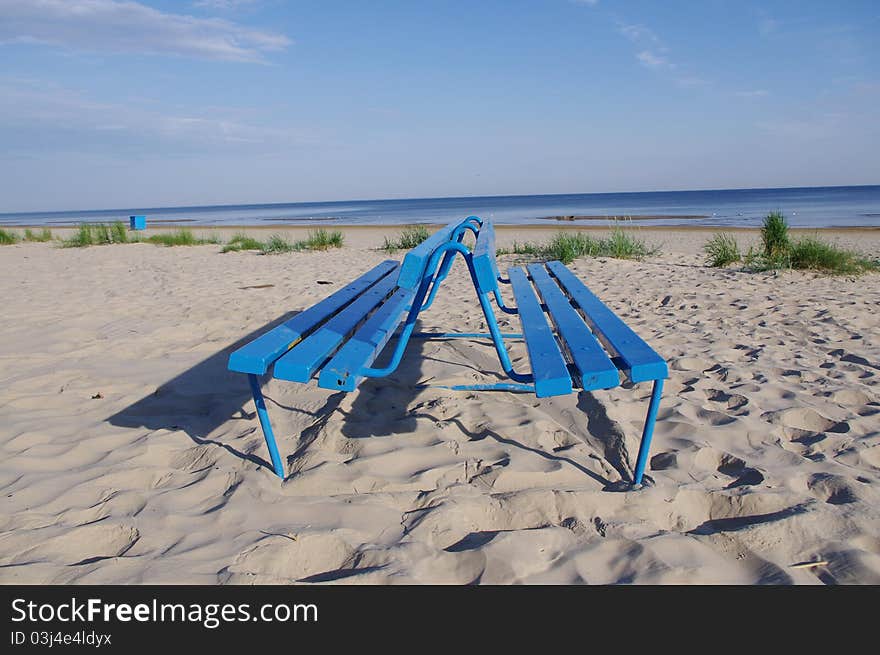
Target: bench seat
574 356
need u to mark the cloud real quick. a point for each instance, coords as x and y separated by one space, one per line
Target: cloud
652 60
126 26
756 93
38 117
591 3
638 33
222 4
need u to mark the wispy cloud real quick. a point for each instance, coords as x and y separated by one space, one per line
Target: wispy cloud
222 4
638 33
653 53
652 60
755 93
591 3
126 26
36 115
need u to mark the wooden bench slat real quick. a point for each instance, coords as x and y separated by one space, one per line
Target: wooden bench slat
596 370
362 349
413 268
300 362
548 364
639 361
484 262
258 355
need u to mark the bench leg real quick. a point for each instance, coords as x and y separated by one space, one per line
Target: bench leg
647 433
266 425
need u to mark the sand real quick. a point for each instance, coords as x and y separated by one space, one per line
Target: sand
130 454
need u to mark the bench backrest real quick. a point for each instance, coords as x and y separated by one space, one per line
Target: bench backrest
416 260
485 267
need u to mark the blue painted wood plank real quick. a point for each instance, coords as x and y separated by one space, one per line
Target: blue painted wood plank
485 267
359 352
413 268
548 364
258 355
638 360
596 370
300 362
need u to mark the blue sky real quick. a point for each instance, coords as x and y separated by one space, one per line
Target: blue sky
107 103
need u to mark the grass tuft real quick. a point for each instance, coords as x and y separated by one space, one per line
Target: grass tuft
181 237
409 238
276 245
41 237
721 250
813 254
241 241
566 247
97 234
774 235
8 238
778 251
321 240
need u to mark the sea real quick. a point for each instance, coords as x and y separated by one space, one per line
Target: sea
816 207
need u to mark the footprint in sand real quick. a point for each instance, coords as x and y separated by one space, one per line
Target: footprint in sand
833 489
806 425
290 557
690 364
729 465
733 401
85 544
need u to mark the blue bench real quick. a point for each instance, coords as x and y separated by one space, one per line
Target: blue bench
574 341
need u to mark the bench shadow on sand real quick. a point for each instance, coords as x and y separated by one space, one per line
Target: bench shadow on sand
204 397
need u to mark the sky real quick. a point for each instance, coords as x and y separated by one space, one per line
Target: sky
114 104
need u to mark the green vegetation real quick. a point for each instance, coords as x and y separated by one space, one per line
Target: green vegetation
318 240
779 251
814 254
321 240
276 245
409 238
721 250
774 235
524 248
97 234
8 238
181 237
42 236
566 247
241 241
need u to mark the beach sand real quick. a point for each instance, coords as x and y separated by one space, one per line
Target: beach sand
130 454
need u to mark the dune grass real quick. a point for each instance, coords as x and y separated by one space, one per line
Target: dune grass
7 237
409 238
320 239
566 247
774 235
721 250
779 251
277 244
40 237
97 234
182 237
241 241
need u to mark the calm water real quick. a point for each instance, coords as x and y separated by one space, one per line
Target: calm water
804 207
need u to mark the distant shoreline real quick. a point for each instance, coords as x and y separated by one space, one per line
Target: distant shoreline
504 227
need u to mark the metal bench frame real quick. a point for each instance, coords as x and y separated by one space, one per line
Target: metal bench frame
418 281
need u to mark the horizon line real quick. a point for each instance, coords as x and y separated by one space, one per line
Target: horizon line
516 195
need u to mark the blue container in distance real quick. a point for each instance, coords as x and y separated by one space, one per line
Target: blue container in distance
137 222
